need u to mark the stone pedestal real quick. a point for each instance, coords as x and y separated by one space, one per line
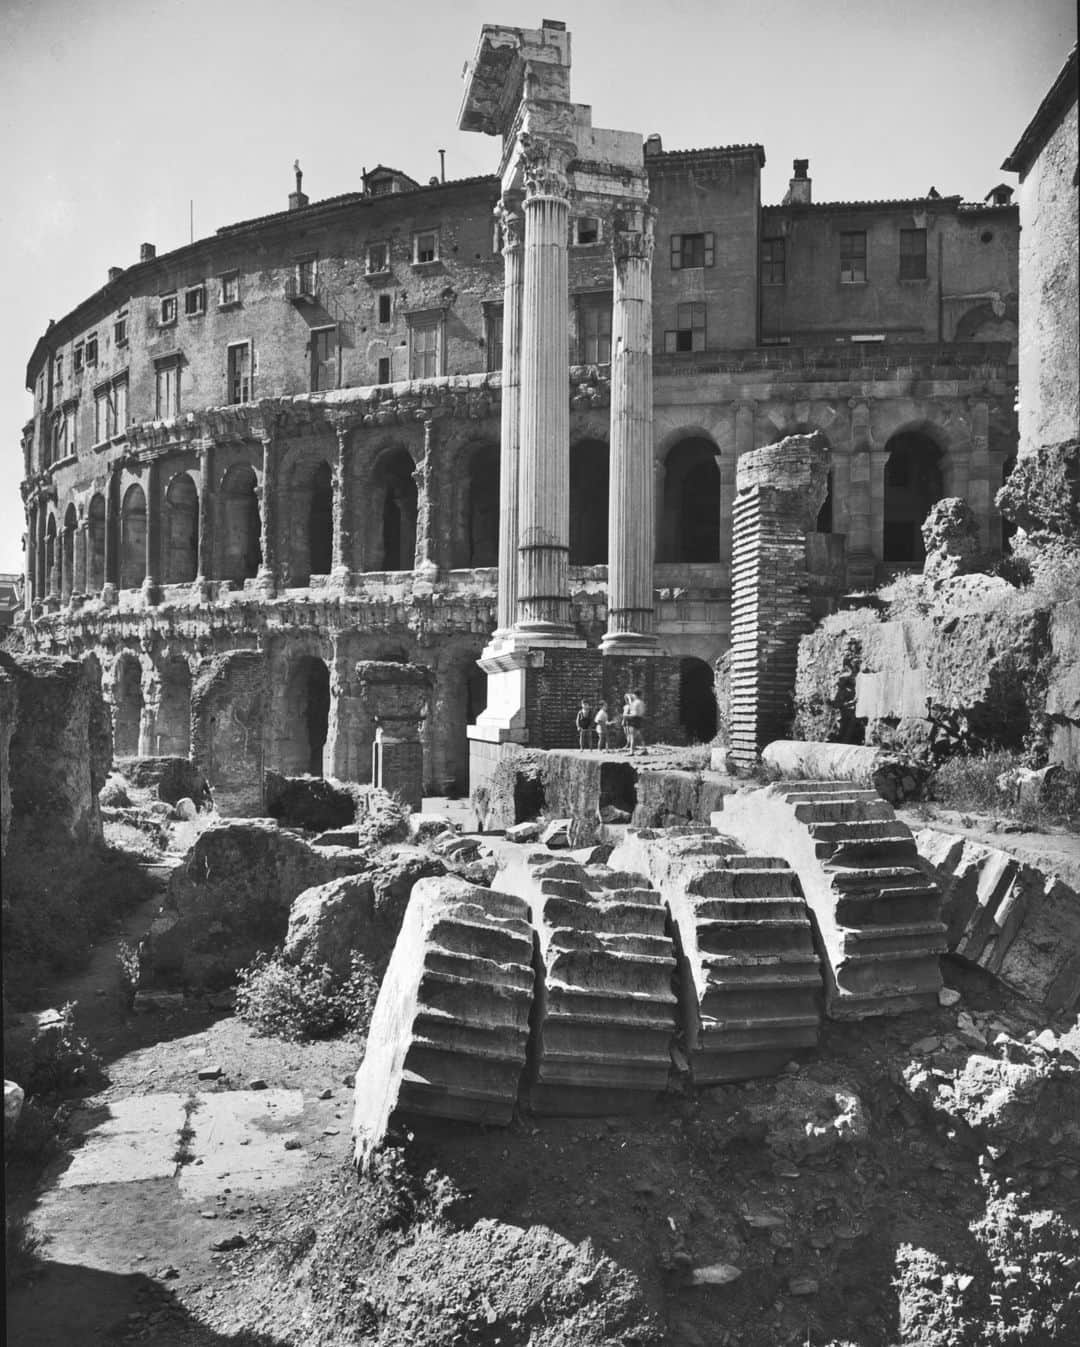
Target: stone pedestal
396 697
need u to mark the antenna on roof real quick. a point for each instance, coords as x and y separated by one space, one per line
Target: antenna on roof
442 165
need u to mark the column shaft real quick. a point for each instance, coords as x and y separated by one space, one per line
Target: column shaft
112 550
342 536
153 526
512 224
631 509
206 528
267 577
424 556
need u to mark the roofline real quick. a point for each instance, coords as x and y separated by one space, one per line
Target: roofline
1061 95
709 151
930 202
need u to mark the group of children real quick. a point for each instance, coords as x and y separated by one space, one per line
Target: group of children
604 726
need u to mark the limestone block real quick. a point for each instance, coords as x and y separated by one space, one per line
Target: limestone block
878 916
951 538
229 702
449 1032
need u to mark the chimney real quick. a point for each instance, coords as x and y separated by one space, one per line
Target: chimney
115 273
298 198
147 252
653 145
798 192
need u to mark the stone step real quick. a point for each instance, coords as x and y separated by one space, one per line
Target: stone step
861 830
570 938
604 970
860 855
591 1007
884 907
614 917
573 890
843 810
751 909
846 879
451 967
473 939
756 936
744 883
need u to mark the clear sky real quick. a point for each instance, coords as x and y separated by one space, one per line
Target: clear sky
115 114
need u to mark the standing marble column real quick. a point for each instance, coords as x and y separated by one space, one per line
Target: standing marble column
543 607
631 510
342 505
512 225
112 539
153 531
424 556
206 524
267 577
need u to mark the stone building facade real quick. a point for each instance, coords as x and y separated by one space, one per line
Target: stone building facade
287 439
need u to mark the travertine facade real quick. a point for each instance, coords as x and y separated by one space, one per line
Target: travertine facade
323 435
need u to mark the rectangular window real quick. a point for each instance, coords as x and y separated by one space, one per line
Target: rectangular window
772 262
59 439
692 250
324 359
594 329
230 289
689 331
167 379
91 349
104 415
77 359
384 308
167 315
195 301
306 276
493 335
239 372
378 259
120 331
853 257
71 422
384 369
120 405
913 254
58 370
585 229
426 246
425 346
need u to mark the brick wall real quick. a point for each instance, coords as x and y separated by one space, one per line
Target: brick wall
553 692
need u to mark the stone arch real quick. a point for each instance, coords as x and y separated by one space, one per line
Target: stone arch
589 485
914 480
476 541
95 545
127 705
320 520
181 561
697 700
306 717
172 726
67 552
395 501
133 537
241 525
50 553
690 502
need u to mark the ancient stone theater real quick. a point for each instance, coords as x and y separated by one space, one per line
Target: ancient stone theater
486 432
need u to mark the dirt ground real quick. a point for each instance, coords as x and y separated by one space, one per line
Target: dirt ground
554 1232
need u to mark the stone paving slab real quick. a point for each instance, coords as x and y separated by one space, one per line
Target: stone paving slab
240 1140
137 1140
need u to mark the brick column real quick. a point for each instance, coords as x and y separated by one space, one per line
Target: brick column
150 587
631 509
206 520
266 580
780 489
512 225
424 559
544 464
342 557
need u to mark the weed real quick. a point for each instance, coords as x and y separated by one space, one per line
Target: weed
969 782
183 1155
56 1059
305 999
127 960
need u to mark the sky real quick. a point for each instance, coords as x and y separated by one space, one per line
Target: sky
117 115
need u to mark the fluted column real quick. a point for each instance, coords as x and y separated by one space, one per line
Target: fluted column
153 531
342 507
631 510
267 577
206 523
512 225
424 556
543 604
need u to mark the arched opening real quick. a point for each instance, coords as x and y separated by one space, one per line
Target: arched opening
913 482
394 475
1008 526
482 518
697 700
241 548
690 524
173 724
95 556
67 553
321 521
50 555
589 503
127 706
307 717
181 531
133 538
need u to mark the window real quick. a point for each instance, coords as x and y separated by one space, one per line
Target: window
324 358
239 372
691 250
71 422
913 254
168 310
167 380
384 308
230 289
58 448
120 333
378 259
594 329
493 335
425 346
426 247
772 262
58 370
305 276
77 359
585 229
195 301
91 349
104 416
120 405
689 332
853 257
384 369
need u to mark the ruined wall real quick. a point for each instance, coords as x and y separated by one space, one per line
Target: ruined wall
9 702
228 712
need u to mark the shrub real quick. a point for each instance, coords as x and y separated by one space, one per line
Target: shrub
969 782
58 1059
305 1000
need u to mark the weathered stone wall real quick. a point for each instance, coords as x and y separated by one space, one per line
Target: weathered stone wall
1063 685
9 703
228 708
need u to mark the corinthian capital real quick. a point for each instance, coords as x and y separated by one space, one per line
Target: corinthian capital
510 220
544 166
632 236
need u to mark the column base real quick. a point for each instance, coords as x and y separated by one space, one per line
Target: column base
109 594
629 643
341 580
151 592
202 590
265 583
